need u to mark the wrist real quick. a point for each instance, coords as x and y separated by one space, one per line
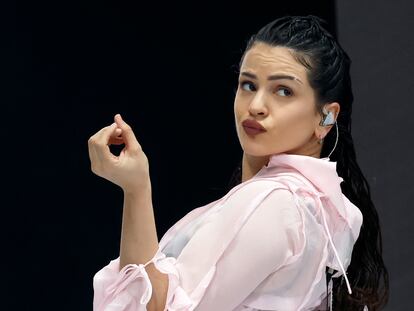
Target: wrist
138 189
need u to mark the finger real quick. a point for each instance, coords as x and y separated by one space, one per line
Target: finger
118 132
131 141
103 134
93 141
116 137
102 141
91 151
93 155
116 141
98 135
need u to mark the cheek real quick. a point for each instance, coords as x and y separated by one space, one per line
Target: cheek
237 107
294 122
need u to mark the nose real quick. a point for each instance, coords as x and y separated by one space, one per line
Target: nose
258 105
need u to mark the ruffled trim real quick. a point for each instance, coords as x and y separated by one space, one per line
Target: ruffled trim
115 291
177 298
127 275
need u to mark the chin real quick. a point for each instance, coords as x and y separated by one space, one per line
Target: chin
256 151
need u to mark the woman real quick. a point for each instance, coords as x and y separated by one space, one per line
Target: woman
298 230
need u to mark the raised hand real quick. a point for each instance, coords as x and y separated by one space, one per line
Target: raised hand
129 170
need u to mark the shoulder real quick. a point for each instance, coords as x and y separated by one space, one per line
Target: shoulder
275 208
257 186
275 227
282 192
287 186
264 196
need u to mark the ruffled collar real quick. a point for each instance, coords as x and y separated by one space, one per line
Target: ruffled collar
310 167
321 172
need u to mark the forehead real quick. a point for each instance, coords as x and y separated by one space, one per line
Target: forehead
263 59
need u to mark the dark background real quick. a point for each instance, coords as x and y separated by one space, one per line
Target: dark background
170 69
378 36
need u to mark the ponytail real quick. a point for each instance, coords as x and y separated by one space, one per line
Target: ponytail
367 271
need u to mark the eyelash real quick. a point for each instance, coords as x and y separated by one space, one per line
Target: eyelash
242 83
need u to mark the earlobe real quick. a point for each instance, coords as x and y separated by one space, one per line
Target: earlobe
320 134
320 139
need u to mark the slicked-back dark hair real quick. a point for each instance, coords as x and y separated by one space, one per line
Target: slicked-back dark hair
328 70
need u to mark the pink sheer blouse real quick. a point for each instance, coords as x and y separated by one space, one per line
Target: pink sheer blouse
265 245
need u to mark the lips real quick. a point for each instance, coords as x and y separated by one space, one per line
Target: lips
253 127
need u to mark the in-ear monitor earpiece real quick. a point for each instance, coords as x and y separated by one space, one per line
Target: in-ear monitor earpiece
328 119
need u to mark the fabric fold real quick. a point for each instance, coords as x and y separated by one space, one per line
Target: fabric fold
128 274
115 290
309 225
340 218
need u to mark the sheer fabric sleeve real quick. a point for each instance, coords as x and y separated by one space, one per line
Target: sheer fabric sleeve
270 237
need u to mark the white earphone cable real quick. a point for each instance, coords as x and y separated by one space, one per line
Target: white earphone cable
336 139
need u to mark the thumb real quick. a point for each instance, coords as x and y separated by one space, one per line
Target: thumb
127 133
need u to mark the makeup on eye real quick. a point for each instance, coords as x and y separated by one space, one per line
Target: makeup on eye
242 83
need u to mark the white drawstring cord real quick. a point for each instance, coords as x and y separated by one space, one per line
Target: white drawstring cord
336 253
331 296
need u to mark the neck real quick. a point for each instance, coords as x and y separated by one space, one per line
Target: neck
251 165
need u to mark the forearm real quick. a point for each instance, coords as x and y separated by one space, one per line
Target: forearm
139 241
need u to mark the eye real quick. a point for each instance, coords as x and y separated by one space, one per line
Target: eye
284 91
247 86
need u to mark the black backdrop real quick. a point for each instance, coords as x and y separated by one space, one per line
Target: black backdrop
69 67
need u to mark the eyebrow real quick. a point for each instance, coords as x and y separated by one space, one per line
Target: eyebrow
271 77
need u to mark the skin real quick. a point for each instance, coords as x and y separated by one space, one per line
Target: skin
130 171
286 108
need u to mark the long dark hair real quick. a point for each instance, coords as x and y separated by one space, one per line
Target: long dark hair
329 75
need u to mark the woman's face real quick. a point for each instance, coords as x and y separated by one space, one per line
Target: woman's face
274 90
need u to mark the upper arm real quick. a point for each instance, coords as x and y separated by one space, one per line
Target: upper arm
269 237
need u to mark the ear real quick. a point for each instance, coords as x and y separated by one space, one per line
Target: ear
322 131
